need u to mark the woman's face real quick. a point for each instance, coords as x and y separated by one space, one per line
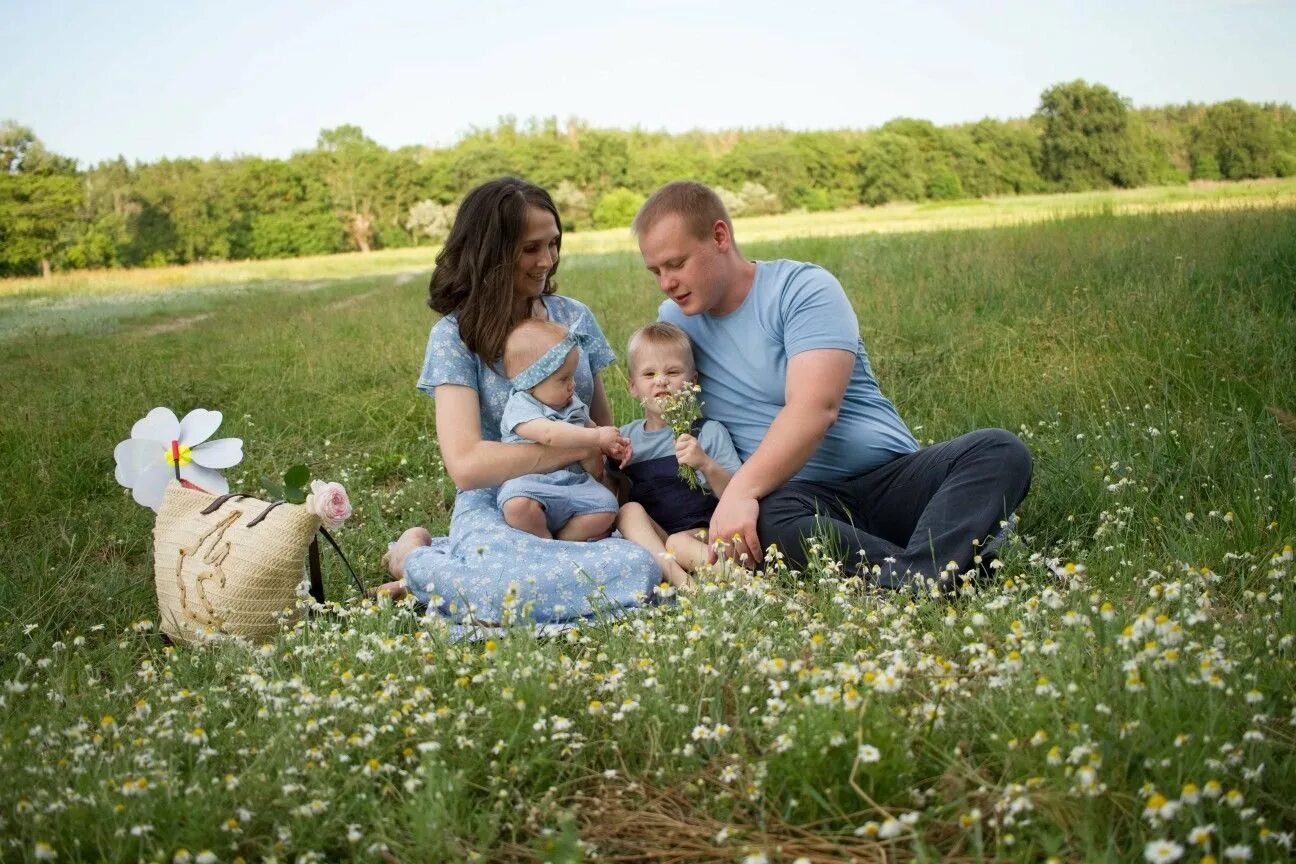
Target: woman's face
537 254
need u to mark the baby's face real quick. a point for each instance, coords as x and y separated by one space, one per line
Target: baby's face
557 390
659 370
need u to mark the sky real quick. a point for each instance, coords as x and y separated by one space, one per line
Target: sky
148 80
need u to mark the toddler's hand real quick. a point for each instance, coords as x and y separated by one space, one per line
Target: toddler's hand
593 466
689 452
621 452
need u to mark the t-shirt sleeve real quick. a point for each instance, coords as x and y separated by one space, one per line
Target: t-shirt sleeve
816 313
717 444
597 349
518 410
447 359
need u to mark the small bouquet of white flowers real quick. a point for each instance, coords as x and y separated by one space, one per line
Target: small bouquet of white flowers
680 410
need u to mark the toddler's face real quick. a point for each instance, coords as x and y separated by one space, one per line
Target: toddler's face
659 370
557 390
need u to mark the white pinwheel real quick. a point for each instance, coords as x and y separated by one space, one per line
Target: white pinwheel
162 448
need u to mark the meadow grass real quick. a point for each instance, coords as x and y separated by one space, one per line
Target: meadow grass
1125 680
891 218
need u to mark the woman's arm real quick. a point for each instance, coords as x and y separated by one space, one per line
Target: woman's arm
474 463
600 408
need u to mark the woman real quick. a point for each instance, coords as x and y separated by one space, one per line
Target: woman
495 270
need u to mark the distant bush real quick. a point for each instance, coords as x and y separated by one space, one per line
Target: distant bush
617 208
431 220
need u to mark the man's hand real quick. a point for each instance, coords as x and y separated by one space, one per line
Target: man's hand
689 452
733 528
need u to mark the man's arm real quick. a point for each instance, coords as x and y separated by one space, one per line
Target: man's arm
816 383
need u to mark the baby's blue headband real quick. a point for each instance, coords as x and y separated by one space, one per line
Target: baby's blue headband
549 362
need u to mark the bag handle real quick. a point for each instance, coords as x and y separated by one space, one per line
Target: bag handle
314 565
316 571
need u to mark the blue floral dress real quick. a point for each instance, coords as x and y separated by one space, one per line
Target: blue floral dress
489 572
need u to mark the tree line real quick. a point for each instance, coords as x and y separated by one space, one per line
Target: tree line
350 193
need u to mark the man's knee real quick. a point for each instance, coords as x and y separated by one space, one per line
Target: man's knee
786 519
777 511
1013 454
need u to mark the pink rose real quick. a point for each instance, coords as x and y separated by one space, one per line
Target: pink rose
329 502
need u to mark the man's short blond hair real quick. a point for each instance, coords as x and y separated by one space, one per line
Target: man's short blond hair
663 334
696 203
527 343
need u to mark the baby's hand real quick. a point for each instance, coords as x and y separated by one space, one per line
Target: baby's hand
689 452
607 437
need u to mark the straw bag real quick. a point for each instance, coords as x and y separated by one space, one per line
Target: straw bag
232 564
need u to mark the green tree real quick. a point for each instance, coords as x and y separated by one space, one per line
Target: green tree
1087 141
573 206
1242 139
890 169
40 199
617 208
351 165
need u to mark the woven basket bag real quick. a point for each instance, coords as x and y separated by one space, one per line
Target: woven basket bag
228 565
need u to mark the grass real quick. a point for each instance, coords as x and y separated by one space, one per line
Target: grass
929 216
1127 678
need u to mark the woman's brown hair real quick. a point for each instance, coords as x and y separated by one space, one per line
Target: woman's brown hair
473 277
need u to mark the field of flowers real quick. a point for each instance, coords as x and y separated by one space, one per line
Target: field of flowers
1123 689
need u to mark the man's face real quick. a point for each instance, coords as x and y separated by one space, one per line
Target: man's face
688 270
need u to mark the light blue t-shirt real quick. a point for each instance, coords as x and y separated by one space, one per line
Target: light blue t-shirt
658 443
742 361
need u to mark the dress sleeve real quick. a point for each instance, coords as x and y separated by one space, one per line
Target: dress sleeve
447 359
598 350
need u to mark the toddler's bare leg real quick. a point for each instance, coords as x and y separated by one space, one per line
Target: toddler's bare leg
587 526
637 526
526 514
689 549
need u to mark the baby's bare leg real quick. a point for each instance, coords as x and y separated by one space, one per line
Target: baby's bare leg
637 526
526 514
689 549
587 526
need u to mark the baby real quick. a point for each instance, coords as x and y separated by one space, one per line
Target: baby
569 503
664 515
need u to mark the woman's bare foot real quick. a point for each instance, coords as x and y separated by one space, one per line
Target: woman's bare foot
394 560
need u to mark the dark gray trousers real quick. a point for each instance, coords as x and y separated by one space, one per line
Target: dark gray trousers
911 516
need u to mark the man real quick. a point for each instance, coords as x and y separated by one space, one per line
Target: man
782 366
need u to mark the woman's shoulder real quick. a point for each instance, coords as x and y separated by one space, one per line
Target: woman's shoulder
446 324
564 309
444 335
